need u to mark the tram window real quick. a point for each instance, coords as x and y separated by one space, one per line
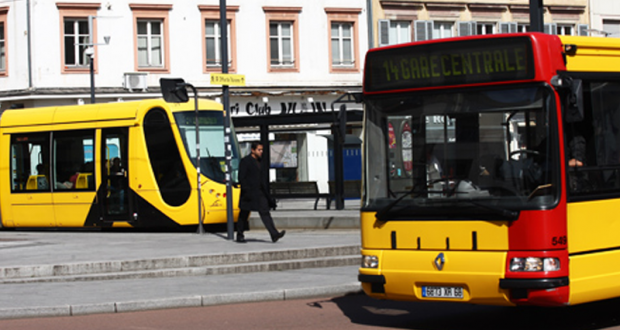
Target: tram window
165 158
30 162
73 166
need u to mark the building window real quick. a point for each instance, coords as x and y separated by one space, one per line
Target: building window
3 42
2 50
394 32
565 30
443 30
150 43
400 32
74 36
522 28
485 28
611 28
282 38
212 34
213 42
152 52
342 45
76 42
281 44
343 39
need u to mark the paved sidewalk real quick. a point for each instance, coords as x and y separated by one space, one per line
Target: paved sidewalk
34 253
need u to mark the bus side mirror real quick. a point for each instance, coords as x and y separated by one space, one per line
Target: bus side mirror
173 90
573 111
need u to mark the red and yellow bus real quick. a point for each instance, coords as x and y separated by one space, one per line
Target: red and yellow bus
122 164
492 170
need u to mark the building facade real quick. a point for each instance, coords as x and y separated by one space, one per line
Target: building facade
398 21
297 57
605 18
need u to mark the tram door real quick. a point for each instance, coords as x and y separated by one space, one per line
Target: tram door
114 194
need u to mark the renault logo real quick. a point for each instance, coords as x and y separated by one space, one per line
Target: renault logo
440 261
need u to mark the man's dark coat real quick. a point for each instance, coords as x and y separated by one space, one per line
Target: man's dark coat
254 195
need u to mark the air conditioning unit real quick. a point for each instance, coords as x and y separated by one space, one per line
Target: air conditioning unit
135 81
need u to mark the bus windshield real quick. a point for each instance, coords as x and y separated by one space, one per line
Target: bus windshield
212 152
467 154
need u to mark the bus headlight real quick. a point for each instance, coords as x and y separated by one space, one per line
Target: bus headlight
534 264
370 262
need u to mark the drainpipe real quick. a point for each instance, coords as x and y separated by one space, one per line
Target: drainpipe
371 39
29 44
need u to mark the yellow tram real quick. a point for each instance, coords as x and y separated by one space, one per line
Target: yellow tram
125 164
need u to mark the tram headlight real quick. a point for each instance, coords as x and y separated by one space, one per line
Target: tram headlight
370 262
534 264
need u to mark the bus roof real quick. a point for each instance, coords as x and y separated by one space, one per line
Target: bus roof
127 112
592 54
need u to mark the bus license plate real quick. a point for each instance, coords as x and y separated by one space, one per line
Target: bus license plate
442 292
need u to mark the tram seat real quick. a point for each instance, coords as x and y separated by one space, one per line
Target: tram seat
83 181
37 182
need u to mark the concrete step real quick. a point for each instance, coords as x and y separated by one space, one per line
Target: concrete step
331 256
283 265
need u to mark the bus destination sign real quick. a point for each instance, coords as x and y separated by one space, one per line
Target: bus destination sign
449 64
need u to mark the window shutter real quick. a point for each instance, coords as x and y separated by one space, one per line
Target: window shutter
467 28
423 30
508 27
384 32
551 28
582 30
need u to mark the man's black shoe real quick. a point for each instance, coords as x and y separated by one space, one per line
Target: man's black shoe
278 236
240 239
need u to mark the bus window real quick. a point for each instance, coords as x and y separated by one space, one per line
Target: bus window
30 162
593 144
494 146
72 166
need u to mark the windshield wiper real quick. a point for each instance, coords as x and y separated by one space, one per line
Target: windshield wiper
382 214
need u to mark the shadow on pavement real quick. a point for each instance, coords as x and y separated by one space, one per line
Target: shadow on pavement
361 309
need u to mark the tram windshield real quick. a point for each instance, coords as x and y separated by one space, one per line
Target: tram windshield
212 149
474 154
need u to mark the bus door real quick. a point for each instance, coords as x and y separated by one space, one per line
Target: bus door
114 192
31 196
73 176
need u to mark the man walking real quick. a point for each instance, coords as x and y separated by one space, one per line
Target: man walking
254 195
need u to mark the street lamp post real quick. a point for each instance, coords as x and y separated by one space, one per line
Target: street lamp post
90 52
230 221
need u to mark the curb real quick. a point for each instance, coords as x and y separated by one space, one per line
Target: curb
180 302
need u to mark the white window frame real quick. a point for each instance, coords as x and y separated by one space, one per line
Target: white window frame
398 26
3 48
279 37
79 42
150 36
442 28
340 40
561 29
217 38
485 28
